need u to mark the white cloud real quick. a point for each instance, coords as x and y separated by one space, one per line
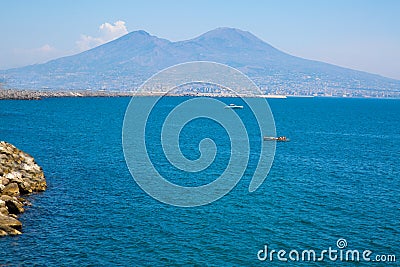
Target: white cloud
45 49
111 32
107 32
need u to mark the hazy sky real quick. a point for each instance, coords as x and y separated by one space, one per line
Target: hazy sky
363 35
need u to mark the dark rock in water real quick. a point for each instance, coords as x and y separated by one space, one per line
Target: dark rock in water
8 230
14 206
19 175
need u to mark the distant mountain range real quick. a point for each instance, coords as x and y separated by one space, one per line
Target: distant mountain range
123 64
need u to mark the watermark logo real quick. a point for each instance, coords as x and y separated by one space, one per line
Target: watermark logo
341 243
170 81
331 254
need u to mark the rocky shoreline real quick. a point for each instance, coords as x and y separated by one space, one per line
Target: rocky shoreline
15 94
19 176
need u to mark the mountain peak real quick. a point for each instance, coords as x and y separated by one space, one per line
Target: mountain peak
133 42
234 31
224 38
140 34
226 32
228 29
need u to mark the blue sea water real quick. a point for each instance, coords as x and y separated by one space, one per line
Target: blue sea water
337 178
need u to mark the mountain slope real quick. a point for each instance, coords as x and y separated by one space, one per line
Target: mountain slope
123 64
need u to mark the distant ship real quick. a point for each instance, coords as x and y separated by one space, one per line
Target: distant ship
278 139
233 106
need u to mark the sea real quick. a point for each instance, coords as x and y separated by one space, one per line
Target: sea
335 187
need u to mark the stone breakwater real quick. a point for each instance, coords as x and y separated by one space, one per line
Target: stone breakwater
37 95
19 176
14 94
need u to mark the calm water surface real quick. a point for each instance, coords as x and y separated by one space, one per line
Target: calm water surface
337 178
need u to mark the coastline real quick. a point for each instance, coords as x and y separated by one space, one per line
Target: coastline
19 176
16 94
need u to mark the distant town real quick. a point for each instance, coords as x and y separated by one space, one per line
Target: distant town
266 92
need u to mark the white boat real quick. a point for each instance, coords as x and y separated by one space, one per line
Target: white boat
233 106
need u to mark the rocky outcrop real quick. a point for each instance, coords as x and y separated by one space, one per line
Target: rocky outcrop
19 176
37 95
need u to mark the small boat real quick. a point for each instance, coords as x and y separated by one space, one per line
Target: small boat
278 139
233 106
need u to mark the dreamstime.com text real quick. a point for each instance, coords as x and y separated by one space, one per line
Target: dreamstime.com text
341 253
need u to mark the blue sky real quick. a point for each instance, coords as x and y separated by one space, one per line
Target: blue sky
363 35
